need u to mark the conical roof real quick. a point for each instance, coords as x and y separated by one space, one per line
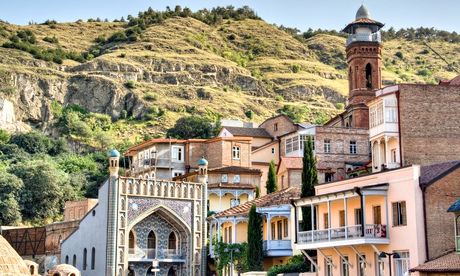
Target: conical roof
11 264
363 12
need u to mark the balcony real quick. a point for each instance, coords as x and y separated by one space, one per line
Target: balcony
349 235
275 248
147 255
375 37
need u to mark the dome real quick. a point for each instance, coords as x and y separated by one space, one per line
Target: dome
11 263
202 162
363 12
113 153
64 270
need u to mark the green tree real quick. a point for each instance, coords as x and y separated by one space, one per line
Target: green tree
10 186
194 127
32 142
46 188
255 253
271 184
309 180
4 136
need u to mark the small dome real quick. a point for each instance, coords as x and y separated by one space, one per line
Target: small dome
64 270
202 162
11 263
363 12
113 153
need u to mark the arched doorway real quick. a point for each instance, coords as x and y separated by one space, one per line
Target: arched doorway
172 271
151 245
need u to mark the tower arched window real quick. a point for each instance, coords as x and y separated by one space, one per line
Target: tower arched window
369 76
132 240
350 75
74 260
93 258
172 241
151 244
67 259
85 258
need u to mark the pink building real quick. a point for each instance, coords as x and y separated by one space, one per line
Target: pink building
358 219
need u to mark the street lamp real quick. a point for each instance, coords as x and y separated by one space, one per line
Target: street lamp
385 254
231 250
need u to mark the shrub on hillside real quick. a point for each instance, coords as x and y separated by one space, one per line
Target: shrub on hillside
50 39
194 127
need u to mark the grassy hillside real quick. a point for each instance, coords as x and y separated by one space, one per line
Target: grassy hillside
183 66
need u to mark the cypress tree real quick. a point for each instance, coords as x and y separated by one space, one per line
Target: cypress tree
271 181
255 252
309 180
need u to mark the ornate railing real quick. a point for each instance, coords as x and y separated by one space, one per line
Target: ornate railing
342 233
277 245
163 189
375 37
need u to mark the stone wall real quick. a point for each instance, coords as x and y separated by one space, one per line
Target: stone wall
283 125
429 121
439 196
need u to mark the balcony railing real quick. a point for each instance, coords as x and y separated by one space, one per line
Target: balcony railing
457 243
375 37
147 254
342 233
277 245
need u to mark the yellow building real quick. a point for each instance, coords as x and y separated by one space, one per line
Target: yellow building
231 226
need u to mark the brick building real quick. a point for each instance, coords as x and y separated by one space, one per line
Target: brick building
415 124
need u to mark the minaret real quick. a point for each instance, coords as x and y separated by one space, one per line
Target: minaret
112 213
203 179
364 59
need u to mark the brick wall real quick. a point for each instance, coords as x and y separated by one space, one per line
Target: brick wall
283 125
439 196
75 210
429 120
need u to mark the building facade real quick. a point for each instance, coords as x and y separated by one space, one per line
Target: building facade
141 227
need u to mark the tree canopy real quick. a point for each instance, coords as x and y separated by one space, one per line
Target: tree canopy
271 184
194 127
255 253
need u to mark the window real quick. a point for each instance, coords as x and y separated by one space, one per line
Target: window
172 241
236 152
67 259
132 240
275 127
74 260
273 150
326 220
393 155
361 265
234 202
304 138
177 153
292 144
286 228
177 173
342 218
93 258
402 263
327 146
279 233
328 265
328 177
380 266
224 178
236 178
377 214
369 76
358 217
85 258
399 213
230 237
273 230
353 147
344 267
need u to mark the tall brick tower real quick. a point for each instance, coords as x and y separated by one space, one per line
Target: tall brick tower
364 58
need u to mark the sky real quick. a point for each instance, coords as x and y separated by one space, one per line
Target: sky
301 14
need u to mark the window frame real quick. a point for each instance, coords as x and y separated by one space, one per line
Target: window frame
176 152
344 266
236 152
353 147
399 212
327 145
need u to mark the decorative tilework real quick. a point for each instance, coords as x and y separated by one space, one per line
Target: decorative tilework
144 204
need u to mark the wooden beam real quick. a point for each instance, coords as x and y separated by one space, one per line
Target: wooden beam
342 257
304 252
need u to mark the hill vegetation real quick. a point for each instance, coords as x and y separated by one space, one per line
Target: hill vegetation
97 83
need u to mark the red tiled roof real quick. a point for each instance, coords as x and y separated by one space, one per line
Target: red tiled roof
295 163
431 173
454 81
248 132
443 264
276 198
363 21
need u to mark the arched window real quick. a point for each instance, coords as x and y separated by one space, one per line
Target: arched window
67 259
150 272
350 76
85 256
132 240
369 75
172 241
93 258
151 245
32 270
74 260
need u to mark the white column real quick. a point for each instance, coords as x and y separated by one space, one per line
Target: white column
220 201
312 221
218 231
269 230
364 214
379 160
386 157
234 230
345 208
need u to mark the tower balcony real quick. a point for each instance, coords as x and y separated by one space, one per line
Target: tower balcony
373 37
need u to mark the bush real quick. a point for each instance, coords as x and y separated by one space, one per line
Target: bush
32 142
117 37
399 55
295 264
130 84
203 94
340 106
53 39
100 39
150 97
249 114
279 98
424 72
194 127
296 68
